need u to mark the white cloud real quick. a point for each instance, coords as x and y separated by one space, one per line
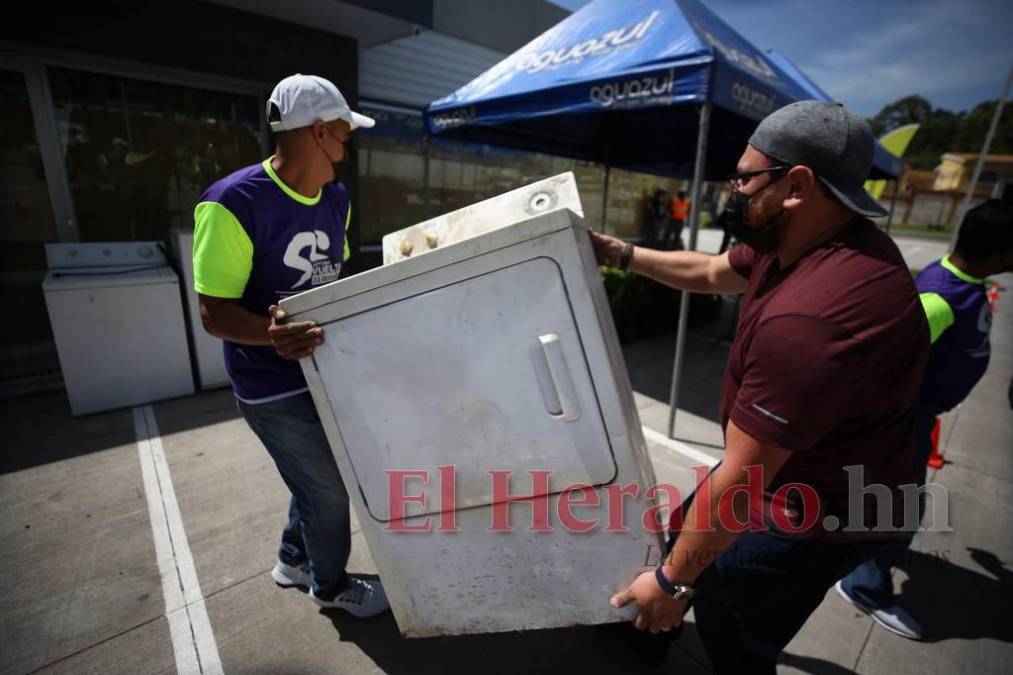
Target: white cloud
931 49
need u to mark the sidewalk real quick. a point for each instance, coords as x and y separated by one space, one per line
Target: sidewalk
83 589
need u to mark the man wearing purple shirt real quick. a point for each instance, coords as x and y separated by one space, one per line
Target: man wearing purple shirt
263 233
953 294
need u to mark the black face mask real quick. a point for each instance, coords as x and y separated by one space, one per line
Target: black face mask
344 167
763 238
335 171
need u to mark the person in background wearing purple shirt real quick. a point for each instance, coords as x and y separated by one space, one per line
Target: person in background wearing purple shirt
265 232
830 318
953 293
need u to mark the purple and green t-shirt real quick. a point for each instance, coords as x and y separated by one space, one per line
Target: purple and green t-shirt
956 305
256 241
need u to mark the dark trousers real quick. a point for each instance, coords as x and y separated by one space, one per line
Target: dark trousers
759 593
672 239
654 233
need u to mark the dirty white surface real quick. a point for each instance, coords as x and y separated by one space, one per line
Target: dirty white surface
557 192
496 352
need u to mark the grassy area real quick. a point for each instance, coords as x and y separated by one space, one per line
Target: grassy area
642 307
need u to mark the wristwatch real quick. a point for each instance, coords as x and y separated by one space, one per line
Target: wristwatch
676 591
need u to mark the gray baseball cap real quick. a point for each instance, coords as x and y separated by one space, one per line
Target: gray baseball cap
833 141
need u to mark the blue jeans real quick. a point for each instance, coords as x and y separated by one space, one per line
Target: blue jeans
318 530
757 594
870 583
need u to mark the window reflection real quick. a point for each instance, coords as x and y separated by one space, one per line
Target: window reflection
393 187
139 153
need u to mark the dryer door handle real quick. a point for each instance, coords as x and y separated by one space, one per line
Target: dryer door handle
566 406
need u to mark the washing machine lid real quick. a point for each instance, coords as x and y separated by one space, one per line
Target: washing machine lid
106 264
87 278
121 254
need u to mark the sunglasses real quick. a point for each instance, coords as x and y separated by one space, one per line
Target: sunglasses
742 177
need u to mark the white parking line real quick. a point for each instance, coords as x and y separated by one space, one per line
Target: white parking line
678 446
193 642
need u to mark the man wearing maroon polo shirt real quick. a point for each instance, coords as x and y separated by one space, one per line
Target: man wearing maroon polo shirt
821 387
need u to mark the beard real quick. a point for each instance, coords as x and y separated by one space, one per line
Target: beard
765 209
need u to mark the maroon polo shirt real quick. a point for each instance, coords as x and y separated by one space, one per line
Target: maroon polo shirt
827 363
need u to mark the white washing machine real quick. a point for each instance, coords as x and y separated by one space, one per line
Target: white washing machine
486 344
208 355
118 323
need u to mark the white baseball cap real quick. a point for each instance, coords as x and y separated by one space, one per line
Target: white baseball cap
303 99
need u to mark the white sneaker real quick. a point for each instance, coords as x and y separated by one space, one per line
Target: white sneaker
360 598
893 618
287 576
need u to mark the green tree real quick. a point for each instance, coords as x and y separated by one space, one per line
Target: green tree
908 110
943 130
974 127
938 134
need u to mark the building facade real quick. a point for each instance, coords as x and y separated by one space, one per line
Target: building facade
119 114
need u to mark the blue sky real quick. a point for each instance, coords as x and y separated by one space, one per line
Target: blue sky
867 53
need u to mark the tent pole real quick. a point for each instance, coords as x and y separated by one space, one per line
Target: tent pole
605 197
893 203
425 174
608 170
981 161
694 229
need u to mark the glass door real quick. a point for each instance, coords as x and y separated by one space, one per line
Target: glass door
99 156
28 221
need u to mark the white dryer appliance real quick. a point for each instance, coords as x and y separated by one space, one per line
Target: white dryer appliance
485 344
118 322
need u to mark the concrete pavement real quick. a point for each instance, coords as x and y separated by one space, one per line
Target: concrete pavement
83 591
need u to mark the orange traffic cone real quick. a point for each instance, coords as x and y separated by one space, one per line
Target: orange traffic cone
936 460
993 295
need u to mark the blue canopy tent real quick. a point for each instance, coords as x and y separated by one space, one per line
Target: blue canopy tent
610 83
659 86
